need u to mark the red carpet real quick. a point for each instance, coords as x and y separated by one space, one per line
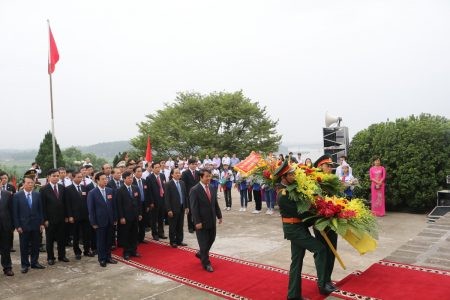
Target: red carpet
389 280
232 278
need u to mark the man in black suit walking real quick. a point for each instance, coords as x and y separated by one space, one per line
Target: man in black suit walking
77 211
28 221
155 183
205 209
176 200
6 231
55 216
129 211
190 177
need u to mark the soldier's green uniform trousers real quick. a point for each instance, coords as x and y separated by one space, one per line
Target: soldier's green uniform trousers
301 240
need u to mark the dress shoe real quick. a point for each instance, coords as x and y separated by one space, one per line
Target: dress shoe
136 254
126 257
156 238
331 285
113 248
103 263
162 237
209 268
9 273
111 261
13 250
147 229
197 254
78 256
64 259
182 244
37 266
42 249
89 254
173 245
143 242
51 262
326 290
24 270
191 230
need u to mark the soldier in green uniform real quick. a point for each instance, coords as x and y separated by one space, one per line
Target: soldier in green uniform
301 239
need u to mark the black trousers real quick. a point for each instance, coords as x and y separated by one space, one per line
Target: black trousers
26 239
249 191
190 223
157 218
55 233
330 258
142 224
205 238
176 227
82 228
5 248
257 196
129 236
227 195
104 238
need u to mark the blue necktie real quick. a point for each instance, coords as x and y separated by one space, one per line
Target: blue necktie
129 191
179 191
141 190
30 202
103 194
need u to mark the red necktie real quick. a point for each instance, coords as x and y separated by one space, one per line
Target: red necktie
161 191
193 175
208 193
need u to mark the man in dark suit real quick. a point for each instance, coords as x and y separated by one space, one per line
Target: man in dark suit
54 211
102 216
129 211
6 230
6 186
28 221
144 201
190 177
205 209
77 211
176 201
155 183
114 183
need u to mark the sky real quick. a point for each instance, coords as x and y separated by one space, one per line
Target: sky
366 61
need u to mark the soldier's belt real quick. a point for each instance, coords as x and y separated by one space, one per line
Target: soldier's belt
291 220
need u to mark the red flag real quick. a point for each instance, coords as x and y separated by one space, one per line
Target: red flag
148 153
53 55
14 182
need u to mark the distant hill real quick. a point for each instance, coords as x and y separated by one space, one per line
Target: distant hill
106 150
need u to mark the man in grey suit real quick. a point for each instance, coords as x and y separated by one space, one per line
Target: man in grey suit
205 209
28 221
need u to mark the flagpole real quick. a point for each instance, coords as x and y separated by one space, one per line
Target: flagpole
51 109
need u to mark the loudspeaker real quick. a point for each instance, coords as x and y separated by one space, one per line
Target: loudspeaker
330 119
335 142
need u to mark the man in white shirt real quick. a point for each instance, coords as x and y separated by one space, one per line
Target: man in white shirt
226 160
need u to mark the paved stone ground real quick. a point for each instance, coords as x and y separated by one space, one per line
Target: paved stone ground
243 235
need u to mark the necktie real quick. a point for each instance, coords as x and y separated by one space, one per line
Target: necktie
161 191
103 194
118 184
63 183
177 183
55 189
130 192
141 190
78 188
193 175
208 193
30 202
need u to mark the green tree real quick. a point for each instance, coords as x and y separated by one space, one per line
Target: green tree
45 154
74 158
415 153
198 124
